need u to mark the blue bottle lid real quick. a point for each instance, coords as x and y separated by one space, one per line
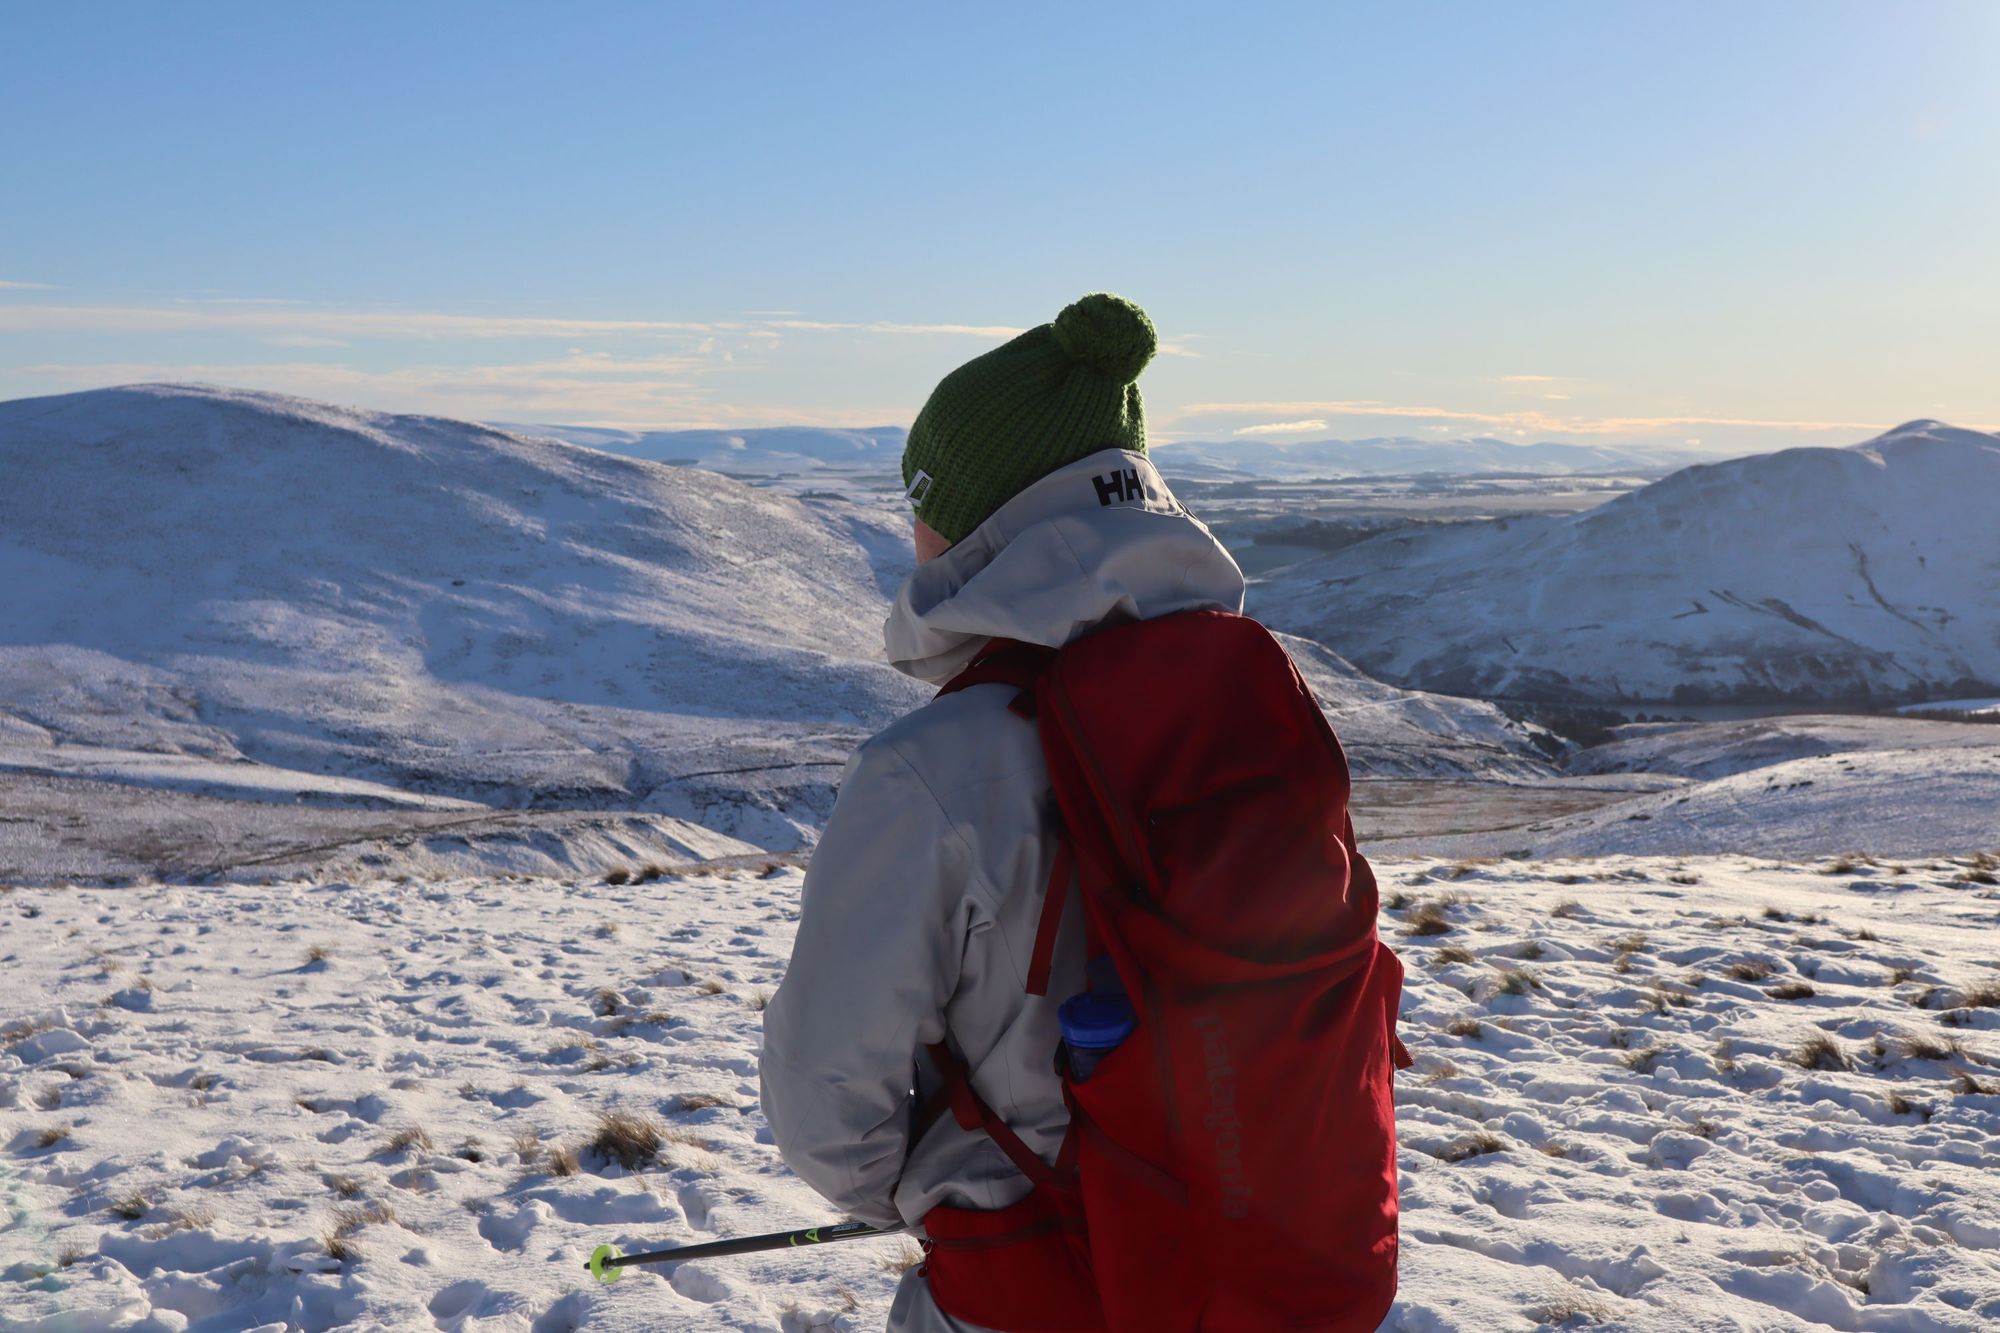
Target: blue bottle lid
1096 1022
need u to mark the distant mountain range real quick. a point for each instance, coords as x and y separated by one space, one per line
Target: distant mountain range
792 448
255 598
1809 574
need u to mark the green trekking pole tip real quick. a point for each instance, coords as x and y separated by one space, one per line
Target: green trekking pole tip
597 1268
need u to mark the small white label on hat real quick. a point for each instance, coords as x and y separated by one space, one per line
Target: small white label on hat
919 488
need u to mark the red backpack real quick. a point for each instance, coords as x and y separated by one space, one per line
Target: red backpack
1231 1166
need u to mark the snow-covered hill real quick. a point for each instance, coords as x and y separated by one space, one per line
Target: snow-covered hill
766 449
429 604
1806 574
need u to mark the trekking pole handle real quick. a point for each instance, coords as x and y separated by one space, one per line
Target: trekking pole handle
605 1261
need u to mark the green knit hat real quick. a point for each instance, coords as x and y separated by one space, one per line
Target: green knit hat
1059 392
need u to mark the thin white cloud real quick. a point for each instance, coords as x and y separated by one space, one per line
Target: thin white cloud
652 392
830 326
25 286
1525 379
303 340
1280 428
255 316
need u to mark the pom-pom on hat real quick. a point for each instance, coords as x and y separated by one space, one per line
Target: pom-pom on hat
1059 392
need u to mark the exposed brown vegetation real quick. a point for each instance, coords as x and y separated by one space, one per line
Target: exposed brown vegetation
1820 1051
1473 1145
628 1138
132 1205
1792 990
409 1136
701 1101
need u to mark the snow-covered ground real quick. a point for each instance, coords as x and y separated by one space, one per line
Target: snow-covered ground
1671 1095
1900 803
1809 574
1978 707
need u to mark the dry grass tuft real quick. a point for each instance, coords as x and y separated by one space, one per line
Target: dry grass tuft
1569 908
192 1216
1473 1145
906 1255
1553 1149
1846 865
1642 1062
132 1205
1518 981
1453 953
71 1252
527 1145
1633 943
1466 1027
1984 995
319 953
1572 1307
618 875
1822 1052
562 1161
1792 990
409 1136
1427 918
628 1138
1750 969
607 1001
51 1136
344 1185
701 1101
711 987
758 1000
1923 1046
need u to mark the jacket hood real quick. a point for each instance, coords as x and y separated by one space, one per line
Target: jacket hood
1098 540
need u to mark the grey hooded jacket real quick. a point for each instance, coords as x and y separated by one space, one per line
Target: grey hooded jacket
923 896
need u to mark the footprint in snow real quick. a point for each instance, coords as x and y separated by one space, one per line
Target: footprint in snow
511 1232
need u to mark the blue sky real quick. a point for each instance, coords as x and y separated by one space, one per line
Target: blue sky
1744 224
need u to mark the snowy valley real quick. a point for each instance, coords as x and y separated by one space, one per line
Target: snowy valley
402 821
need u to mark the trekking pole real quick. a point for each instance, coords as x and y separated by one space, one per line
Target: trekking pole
605 1261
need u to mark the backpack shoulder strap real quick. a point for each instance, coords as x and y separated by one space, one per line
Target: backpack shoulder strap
1005 662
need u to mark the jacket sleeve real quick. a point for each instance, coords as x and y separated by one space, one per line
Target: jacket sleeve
881 937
